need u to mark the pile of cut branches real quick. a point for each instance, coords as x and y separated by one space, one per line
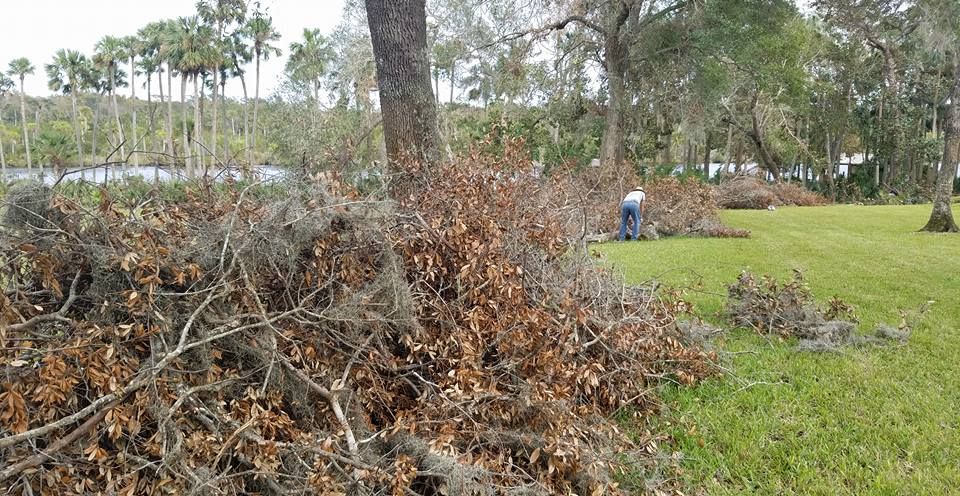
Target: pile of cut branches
311 341
746 192
790 310
674 207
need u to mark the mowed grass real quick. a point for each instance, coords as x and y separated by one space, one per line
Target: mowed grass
881 420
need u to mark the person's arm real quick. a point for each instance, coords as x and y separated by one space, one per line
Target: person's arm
643 203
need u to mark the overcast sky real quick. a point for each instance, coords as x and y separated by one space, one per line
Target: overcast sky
37 28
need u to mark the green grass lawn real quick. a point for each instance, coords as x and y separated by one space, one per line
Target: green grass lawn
863 421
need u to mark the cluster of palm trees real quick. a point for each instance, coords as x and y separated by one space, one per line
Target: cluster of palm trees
205 50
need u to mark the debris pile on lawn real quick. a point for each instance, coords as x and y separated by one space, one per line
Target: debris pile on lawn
290 339
790 310
796 195
674 207
686 208
745 192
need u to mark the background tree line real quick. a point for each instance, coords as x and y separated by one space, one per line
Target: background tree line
649 83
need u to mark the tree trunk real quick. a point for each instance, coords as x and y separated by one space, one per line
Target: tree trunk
726 156
256 108
941 218
133 106
895 171
96 132
198 145
246 125
226 135
172 151
213 105
183 109
23 121
197 127
828 167
116 116
615 63
453 79
706 157
3 158
767 159
153 130
76 124
399 33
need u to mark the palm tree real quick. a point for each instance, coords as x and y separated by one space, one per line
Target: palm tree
6 84
220 15
21 67
309 60
164 35
66 74
262 33
192 52
240 54
132 47
149 65
109 53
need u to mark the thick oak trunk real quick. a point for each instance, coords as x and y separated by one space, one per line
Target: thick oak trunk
398 31
615 62
941 218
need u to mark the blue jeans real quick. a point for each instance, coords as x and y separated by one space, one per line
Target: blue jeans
629 210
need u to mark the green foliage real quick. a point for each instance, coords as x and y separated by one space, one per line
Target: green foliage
55 145
571 136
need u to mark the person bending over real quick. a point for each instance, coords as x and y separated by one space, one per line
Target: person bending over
631 208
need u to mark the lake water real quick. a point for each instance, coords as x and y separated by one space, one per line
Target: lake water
147 173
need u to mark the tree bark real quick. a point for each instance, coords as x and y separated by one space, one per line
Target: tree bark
755 134
398 31
941 218
615 62
23 121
